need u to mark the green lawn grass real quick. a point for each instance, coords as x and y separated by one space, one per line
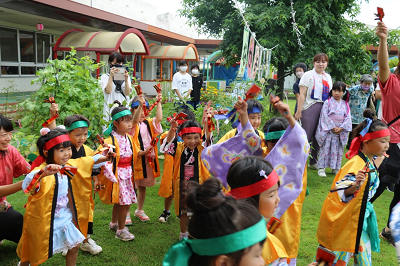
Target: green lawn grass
153 238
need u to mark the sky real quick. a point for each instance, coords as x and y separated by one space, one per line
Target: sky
390 7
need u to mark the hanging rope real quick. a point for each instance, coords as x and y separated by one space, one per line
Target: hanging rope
237 6
295 29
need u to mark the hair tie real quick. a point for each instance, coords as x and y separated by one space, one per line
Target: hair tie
366 128
44 131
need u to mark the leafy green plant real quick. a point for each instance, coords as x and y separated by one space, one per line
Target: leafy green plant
8 93
393 62
25 144
75 90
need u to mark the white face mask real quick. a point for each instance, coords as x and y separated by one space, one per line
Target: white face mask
299 74
183 68
195 71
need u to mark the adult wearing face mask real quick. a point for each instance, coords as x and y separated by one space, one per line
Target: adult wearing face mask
115 89
314 90
197 82
359 96
182 82
298 70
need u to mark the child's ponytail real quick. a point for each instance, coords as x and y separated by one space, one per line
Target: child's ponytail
371 120
225 215
370 128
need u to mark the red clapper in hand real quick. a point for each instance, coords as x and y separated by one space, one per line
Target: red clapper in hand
139 92
158 89
50 100
106 146
207 113
153 143
179 118
273 224
380 14
252 92
325 257
273 99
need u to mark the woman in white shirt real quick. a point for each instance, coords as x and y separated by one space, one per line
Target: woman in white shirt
115 89
314 90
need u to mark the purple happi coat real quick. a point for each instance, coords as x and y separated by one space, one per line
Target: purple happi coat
288 158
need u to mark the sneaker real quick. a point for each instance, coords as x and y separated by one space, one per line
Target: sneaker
164 216
335 171
313 166
113 227
183 235
128 220
124 235
91 247
142 216
321 172
388 236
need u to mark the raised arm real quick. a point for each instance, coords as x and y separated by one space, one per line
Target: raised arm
241 107
383 56
138 113
159 108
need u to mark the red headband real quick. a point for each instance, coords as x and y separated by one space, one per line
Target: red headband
188 130
55 141
256 188
50 144
356 143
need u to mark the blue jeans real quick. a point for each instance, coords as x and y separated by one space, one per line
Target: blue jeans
194 104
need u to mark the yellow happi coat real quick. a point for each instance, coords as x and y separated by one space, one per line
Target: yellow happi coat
165 189
85 183
289 231
204 174
339 221
110 194
273 249
140 161
36 239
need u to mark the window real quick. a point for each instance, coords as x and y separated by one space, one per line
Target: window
9 70
22 52
40 39
28 70
27 46
8 45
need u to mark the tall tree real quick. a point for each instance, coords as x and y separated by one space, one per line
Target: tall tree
322 24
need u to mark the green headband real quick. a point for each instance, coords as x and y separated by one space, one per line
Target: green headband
115 117
79 124
275 134
180 253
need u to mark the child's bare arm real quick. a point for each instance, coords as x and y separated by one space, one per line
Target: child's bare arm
53 112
